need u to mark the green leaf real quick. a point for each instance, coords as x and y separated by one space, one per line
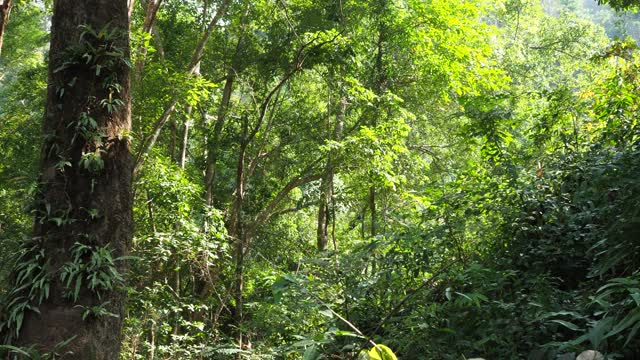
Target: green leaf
381 352
567 324
17 350
348 333
311 353
629 320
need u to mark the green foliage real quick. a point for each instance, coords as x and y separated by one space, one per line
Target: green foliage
30 286
620 4
379 352
475 163
91 267
31 353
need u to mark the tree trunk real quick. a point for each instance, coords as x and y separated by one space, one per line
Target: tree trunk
380 86
324 209
130 5
149 21
326 186
5 10
85 194
238 289
173 135
184 145
236 233
214 142
185 139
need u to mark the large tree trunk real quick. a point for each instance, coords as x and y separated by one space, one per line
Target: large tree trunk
84 199
5 10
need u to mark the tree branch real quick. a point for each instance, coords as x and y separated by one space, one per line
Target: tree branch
150 141
395 309
268 211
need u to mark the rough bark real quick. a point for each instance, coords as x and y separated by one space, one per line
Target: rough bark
5 11
71 191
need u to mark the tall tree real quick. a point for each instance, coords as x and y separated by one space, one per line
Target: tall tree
5 10
67 284
620 5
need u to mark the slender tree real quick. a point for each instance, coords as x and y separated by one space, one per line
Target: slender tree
5 10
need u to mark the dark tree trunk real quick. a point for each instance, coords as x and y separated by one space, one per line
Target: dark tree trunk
236 233
324 209
380 87
84 194
326 186
214 143
185 139
5 10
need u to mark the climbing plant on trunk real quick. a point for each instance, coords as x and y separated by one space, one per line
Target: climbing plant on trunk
67 284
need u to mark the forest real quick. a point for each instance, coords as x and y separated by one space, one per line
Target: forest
319 179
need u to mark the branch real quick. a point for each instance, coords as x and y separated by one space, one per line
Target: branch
293 209
296 67
265 214
149 142
152 11
395 309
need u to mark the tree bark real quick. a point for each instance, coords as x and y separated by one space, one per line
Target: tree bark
83 202
149 21
214 143
326 186
324 205
186 127
236 233
185 139
5 11
130 5
380 85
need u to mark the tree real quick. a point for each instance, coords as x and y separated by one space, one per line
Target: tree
5 10
67 284
620 5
